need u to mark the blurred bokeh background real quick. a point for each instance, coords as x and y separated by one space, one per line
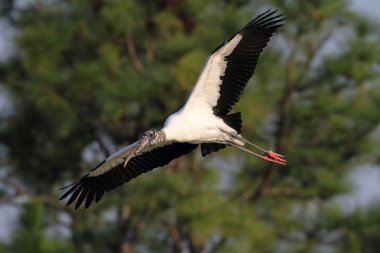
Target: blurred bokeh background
81 78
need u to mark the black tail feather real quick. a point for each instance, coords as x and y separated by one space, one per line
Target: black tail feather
208 148
234 121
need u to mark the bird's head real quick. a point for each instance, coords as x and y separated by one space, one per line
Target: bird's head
149 139
152 137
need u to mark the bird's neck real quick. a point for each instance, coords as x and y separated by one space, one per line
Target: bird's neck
161 136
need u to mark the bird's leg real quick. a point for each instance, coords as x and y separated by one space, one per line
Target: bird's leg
268 155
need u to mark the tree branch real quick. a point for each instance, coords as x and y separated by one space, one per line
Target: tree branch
290 85
101 143
281 124
149 54
174 233
132 53
314 52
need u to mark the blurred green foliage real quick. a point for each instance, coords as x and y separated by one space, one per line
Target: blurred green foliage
92 75
30 235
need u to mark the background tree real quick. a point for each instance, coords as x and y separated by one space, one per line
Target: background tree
90 76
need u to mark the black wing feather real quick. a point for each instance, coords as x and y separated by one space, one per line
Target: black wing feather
89 187
241 62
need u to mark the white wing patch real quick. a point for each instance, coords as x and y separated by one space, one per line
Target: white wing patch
206 91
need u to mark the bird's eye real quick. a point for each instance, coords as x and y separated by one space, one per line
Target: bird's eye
151 134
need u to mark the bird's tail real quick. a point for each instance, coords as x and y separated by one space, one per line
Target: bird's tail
232 120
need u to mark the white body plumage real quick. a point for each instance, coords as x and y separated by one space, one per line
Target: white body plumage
197 127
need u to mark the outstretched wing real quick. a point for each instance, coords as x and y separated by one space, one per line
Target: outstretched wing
112 173
231 65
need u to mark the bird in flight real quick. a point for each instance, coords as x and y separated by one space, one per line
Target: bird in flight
204 119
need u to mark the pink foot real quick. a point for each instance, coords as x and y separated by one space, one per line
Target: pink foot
274 158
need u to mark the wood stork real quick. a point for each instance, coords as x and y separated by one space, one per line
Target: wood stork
203 120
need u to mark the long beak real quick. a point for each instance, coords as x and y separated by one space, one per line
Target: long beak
140 145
